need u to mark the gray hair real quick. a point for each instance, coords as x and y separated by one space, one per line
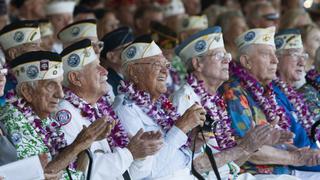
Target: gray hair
32 84
244 50
65 81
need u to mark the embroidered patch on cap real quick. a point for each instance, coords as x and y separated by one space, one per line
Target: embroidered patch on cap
32 72
63 117
74 60
200 45
250 36
44 65
75 31
18 36
131 52
278 42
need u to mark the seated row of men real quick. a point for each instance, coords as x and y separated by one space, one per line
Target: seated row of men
61 106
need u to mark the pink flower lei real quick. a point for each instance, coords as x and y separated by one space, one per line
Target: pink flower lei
305 117
216 108
313 77
162 111
52 138
118 137
265 97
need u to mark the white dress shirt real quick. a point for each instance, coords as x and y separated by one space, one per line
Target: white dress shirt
107 164
183 99
172 161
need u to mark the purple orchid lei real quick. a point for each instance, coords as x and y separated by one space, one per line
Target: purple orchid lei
313 77
305 117
216 108
52 138
265 97
118 137
162 111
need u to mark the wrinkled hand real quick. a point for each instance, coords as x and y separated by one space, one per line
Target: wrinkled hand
202 163
278 136
107 130
89 134
255 138
305 157
144 144
53 176
193 117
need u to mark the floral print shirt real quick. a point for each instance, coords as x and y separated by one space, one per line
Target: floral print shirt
312 97
245 113
26 140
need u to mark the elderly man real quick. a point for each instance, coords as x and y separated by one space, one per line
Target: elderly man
167 40
114 42
26 117
207 63
77 31
84 103
252 100
141 104
20 37
291 69
59 14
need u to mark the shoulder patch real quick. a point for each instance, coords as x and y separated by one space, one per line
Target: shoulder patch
63 117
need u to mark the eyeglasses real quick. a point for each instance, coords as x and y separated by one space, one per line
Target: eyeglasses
221 56
158 65
3 72
296 55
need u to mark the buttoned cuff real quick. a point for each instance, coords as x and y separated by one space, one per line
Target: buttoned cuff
176 137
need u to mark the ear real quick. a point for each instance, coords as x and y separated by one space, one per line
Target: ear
245 62
74 78
131 73
26 92
12 53
196 65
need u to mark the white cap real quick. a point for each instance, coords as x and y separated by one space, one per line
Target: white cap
60 7
288 39
37 65
200 43
175 7
193 22
139 50
19 33
78 30
256 36
77 55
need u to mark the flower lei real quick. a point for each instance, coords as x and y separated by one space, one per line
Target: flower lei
313 77
305 117
162 111
52 138
216 109
118 137
265 98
